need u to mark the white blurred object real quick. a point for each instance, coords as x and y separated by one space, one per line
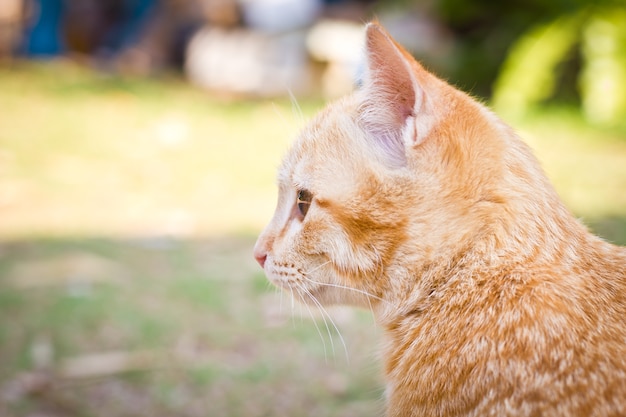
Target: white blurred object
337 40
248 62
339 44
42 352
280 15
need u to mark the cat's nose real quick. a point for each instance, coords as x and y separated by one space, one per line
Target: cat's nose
260 258
262 248
260 254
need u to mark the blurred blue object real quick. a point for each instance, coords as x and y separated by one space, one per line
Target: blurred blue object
43 39
120 24
134 16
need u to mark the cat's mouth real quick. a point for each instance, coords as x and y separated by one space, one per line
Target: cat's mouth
289 277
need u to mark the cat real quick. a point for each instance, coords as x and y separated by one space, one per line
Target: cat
411 198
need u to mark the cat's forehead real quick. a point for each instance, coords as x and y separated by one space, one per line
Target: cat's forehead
329 150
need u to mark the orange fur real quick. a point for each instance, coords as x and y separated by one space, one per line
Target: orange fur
432 212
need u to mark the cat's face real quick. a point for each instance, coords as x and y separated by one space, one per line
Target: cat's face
360 195
332 232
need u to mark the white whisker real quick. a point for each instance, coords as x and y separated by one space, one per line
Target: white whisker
295 107
293 310
332 322
322 310
297 285
281 300
316 326
317 304
344 287
317 267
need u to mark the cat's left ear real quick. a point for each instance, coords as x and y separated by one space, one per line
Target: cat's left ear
392 97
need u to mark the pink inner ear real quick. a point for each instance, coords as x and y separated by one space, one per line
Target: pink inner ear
405 109
392 146
389 94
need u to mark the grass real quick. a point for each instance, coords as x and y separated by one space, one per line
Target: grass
130 157
128 210
222 342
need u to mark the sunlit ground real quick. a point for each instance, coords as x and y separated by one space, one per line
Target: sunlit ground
86 154
128 210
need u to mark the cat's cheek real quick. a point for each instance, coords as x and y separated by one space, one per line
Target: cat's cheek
349 259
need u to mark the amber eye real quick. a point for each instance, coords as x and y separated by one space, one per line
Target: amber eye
304 201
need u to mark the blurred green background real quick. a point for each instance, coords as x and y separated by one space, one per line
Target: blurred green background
130 201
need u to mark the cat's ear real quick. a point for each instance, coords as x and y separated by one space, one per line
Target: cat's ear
392 95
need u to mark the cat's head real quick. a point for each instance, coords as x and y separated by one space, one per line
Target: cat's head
396 175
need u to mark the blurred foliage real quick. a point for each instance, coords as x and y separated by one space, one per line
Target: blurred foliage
569 50
485 29
539 58
529 74
603 78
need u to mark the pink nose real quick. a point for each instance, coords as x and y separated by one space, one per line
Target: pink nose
260 258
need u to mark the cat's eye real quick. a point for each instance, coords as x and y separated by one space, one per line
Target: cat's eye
305 199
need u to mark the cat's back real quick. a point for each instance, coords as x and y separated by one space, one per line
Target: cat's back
577 337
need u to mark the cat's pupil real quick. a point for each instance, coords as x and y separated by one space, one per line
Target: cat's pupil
304 201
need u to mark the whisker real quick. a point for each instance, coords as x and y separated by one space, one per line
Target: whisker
295 107
316 326
368 295
329 284
280 305
293 310
317 267
332 322
318 305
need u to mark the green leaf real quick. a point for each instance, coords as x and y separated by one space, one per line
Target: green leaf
529 74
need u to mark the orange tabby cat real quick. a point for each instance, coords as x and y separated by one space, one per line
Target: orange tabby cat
413 199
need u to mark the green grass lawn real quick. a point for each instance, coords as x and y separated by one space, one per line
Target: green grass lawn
128 210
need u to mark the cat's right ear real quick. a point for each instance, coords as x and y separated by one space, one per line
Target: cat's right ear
392 97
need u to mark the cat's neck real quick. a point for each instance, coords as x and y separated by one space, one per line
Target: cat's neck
516 243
